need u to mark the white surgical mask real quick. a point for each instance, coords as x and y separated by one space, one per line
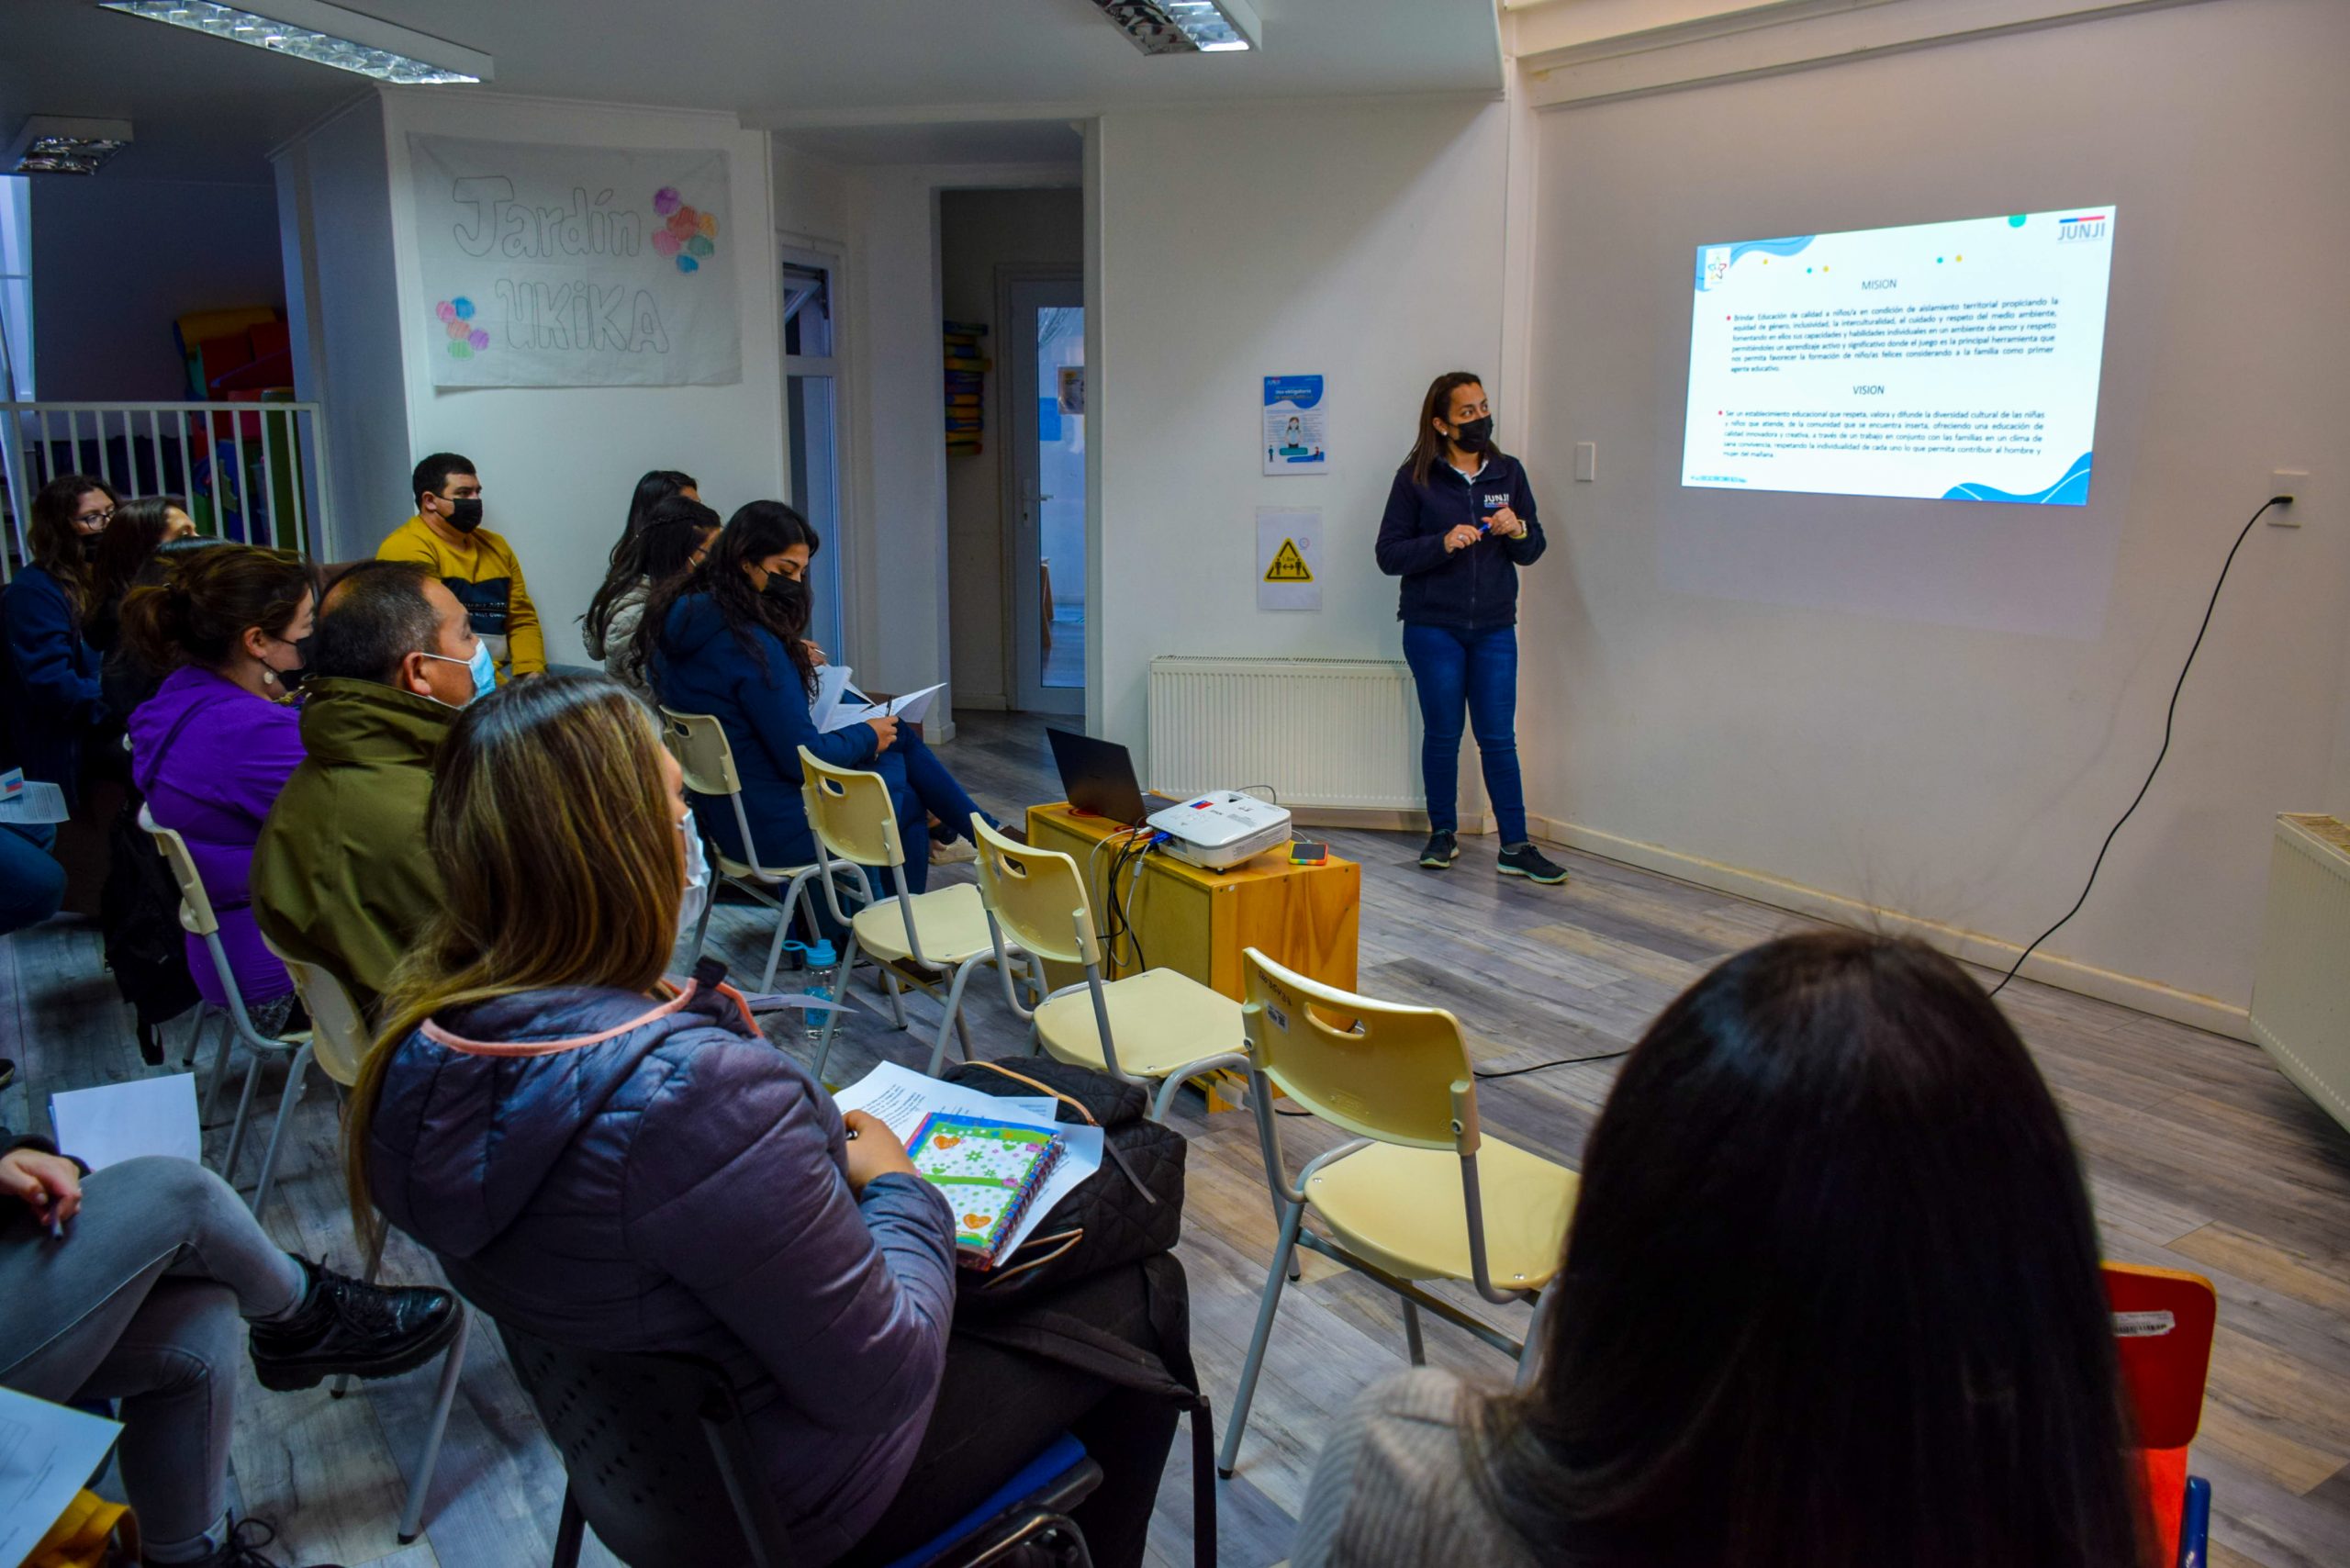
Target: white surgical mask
696 897
482 666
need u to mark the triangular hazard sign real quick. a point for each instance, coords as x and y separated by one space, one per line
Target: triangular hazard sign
1289 565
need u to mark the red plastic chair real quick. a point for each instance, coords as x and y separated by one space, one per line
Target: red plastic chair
2162 1322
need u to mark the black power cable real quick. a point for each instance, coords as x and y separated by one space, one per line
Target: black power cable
1562 1061
2168 717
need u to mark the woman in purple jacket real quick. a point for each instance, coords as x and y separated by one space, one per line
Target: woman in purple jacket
607 1161
214 746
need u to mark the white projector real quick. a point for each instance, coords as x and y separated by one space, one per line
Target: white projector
1221 829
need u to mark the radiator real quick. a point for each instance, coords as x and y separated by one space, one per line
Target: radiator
1340 734
2300 994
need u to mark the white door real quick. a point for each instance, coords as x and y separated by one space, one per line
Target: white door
1045 482
812 431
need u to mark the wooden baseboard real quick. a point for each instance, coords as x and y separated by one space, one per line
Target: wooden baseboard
1971 947
1381 818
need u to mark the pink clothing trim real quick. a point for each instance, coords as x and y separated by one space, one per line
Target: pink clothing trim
439 1037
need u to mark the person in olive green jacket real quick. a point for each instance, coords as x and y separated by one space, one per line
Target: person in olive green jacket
341 875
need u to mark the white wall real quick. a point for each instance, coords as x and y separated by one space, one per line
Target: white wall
558 463
1359 241
980 231
1948 768
115 261
341 297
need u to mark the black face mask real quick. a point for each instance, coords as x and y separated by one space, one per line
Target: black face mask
789 593
290 678
464 516
1476 435
90 542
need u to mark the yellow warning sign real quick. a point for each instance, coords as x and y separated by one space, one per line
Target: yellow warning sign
1289 565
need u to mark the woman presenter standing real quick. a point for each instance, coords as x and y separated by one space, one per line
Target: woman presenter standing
1459 524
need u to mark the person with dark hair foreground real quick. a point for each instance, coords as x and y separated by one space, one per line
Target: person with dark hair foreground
215 745
656 484
1831 1297
340 874
670 542
607 1161
130 1284
124 552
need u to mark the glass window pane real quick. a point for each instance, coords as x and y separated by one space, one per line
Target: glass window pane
810 431
1060 493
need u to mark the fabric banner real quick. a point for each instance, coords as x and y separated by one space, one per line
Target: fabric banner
574 267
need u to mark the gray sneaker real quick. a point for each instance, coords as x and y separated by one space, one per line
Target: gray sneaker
1525 860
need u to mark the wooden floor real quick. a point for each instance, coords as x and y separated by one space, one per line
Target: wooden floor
2200 1156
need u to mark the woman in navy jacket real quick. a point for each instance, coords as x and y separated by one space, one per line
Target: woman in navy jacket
54 699
728 640
1459 524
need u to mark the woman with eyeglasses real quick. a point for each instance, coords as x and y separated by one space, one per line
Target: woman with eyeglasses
54 698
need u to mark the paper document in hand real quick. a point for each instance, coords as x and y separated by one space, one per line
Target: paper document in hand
831 682
45 1452
910 708
902 1097
115 1122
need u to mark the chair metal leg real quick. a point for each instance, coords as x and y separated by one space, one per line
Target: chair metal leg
452 1366
567 1533
840 994
342 1383
195 1039
219 1060
236 1132
1264 1112
286 1100
1529 1360
782 929
701 925
1276 1276
1412 1346
947 1024
897 997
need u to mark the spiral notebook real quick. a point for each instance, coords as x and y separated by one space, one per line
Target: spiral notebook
990 1172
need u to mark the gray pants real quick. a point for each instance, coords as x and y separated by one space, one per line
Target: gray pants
140 1301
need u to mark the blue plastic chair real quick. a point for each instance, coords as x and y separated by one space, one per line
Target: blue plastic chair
658 1461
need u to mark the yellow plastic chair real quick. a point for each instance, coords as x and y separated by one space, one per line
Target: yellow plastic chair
340 1042
1419 1194
198 918
946 929
698 743
1158 1028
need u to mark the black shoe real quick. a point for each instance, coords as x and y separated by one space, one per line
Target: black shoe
242 1548
1525 860
346 1327
1442 850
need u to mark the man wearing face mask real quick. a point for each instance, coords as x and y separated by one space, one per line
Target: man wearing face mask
478 565
342 877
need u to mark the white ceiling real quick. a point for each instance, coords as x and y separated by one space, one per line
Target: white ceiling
209 109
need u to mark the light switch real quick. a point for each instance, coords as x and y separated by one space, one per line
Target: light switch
1586 462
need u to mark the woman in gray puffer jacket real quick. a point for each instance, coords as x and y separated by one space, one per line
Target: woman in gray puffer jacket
612 1162
675 536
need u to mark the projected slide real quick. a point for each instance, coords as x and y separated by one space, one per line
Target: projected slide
1949 360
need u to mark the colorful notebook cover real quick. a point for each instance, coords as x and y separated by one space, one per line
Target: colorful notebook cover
989 1171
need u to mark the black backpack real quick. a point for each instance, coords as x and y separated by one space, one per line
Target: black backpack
139 914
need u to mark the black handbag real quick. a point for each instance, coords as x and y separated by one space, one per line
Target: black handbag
1130 1209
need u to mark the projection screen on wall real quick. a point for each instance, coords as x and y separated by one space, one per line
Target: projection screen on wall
1946 361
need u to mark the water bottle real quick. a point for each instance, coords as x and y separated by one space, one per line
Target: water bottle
821 962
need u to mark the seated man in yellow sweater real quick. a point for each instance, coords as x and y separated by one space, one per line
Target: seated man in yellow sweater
446 537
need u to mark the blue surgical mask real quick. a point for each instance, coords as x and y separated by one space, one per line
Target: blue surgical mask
482 666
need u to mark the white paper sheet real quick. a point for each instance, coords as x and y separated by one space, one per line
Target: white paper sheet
903 1097
46 1453
115 1122
908 708
33 803
831 682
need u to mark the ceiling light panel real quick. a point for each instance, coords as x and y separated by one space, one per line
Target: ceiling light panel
57 144
324 35
1184 27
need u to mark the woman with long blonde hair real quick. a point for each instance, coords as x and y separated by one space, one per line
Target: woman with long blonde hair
612 1162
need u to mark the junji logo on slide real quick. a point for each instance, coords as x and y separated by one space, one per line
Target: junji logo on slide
1952 360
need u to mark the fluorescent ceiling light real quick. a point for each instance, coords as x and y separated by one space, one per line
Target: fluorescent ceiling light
325 35
1185 27
54 144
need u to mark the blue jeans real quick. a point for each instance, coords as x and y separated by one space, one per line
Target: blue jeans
1475 673
921 788
31 884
